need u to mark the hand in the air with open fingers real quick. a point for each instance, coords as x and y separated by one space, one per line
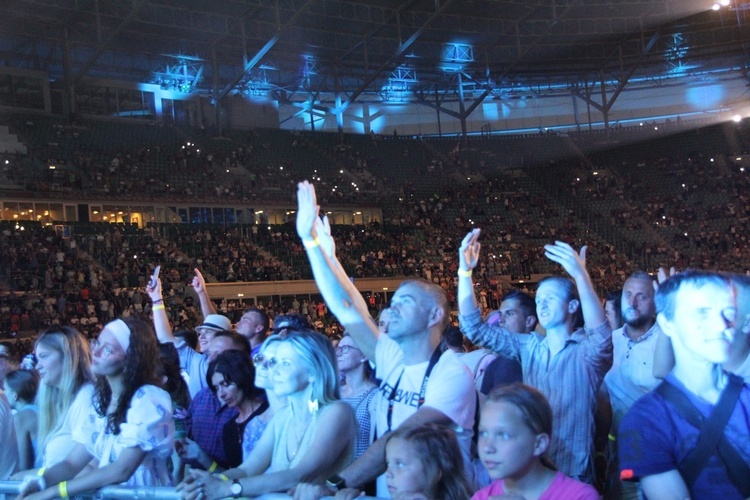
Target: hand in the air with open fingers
323 233
661 276
468 252
307 211
573 262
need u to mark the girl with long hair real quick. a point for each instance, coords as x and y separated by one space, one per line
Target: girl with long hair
309 440
425 462
65 391
515 431
128 430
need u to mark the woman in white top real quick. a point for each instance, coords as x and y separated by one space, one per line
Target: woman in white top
65 391
128 430
309 440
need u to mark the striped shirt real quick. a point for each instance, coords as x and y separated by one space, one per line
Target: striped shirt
570 382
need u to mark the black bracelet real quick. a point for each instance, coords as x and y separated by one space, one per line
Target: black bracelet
160 301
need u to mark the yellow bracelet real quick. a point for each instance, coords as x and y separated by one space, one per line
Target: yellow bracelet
222 477
311 244
213 467
63 487
157 307
466 274
41 471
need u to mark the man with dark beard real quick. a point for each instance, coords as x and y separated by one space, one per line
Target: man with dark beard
631 375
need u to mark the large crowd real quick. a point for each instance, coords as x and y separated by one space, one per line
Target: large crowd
555 393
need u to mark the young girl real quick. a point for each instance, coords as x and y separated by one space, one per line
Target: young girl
515 430
21 387
425 462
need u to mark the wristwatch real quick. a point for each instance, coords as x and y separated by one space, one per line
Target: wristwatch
236 489
336 482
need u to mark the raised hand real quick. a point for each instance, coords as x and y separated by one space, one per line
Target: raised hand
307 211
661 276
323 233
153 289
198 283
573 262
468 252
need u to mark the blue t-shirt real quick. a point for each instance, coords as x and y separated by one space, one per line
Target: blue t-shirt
654 438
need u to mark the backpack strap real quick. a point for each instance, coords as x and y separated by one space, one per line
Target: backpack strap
711 438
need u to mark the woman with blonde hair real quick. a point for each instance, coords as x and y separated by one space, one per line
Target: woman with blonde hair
65 390
309 440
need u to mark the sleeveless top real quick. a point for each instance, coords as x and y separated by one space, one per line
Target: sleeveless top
280 459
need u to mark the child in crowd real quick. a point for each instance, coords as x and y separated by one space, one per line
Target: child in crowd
425 462
515 430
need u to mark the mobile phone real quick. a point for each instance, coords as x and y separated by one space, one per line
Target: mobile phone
152 282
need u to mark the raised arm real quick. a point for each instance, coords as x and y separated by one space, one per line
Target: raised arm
341 296
199 285
477 330
468 257
574 264
161 321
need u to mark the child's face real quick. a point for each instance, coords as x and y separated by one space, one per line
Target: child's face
507 446
405 473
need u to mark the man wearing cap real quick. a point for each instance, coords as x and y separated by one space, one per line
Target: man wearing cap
253 325
194 363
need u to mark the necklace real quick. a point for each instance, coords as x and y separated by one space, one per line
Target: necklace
297 438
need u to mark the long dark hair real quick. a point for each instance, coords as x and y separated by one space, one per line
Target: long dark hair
170 368
141 368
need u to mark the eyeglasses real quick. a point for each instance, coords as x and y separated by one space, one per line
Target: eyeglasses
106 349
267 363
344 349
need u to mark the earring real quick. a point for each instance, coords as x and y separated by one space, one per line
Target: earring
312 404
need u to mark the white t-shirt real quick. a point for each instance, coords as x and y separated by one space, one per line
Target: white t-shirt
450 390
195 365
60 441
8 444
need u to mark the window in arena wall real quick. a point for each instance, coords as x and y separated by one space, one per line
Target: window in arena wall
56 212
95 214
10 211
26 211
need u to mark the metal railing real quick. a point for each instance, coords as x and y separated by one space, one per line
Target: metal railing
10 489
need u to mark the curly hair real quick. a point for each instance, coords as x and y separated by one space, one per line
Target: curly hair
440 454
141 368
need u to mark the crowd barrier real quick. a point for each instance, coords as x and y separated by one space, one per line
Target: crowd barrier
9 489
